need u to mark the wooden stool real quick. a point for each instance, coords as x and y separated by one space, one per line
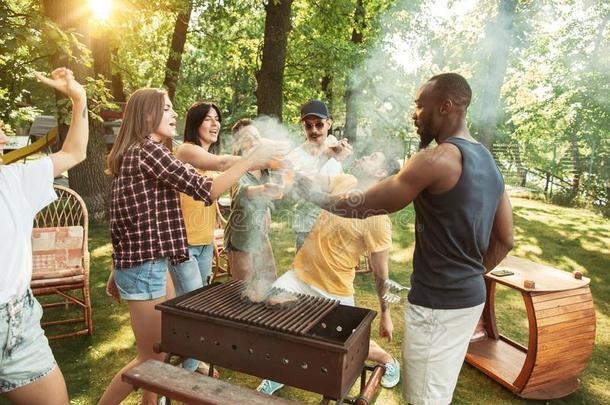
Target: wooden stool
561 320
193 388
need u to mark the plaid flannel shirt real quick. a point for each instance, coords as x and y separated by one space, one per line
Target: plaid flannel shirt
145 216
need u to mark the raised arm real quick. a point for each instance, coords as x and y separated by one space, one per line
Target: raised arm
74 148
379 265
501 240
258 156
389 195
204 160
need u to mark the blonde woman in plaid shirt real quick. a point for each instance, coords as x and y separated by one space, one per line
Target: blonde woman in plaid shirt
146 223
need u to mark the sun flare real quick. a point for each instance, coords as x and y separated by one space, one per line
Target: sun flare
101 8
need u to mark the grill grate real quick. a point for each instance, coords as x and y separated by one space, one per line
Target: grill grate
225 301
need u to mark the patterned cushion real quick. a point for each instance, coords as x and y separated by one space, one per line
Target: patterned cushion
58 249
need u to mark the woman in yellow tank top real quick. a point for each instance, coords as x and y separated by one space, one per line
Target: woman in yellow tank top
201 131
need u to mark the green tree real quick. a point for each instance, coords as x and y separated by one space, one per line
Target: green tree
88 178
270 77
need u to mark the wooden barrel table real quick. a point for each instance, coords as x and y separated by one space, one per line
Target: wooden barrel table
561 319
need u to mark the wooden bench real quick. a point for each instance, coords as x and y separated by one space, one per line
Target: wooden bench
194 388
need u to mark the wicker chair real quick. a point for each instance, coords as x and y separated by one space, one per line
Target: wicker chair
61 258
220 263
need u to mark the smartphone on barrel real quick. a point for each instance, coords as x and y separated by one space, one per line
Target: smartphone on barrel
502 273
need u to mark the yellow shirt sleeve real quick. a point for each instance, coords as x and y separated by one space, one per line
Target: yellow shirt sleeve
334 245
378 233
342 183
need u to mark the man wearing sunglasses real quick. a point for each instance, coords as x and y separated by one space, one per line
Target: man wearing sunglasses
315 155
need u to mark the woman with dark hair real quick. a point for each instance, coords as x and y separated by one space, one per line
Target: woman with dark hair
146 225
201 134
200 148
202 126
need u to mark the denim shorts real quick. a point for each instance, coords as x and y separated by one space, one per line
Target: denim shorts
25 353
143 282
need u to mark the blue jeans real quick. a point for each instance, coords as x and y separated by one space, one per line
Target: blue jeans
191 275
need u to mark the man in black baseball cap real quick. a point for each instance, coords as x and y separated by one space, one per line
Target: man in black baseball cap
314 108
316 122
316 157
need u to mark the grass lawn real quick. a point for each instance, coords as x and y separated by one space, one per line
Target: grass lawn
567 238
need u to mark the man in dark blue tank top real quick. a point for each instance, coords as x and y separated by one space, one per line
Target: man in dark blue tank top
463 229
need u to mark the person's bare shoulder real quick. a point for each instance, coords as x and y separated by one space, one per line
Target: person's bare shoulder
444 167
435 159
188 152
448 154
441 152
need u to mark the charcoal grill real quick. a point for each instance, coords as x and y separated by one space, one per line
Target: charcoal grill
316 344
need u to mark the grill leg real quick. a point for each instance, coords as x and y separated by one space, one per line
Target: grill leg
326 400
363 378
368 392
161 400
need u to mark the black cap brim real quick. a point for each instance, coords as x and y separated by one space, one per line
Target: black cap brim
314 114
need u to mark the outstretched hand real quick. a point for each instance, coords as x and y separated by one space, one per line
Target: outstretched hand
273 191
308 190
62 80
303 185
265 152
341 150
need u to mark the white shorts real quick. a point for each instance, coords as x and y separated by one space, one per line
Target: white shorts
435 345
290 282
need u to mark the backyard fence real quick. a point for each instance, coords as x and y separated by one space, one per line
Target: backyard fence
560 171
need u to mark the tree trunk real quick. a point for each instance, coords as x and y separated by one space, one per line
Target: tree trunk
499 39
104 51
88 178
606 210
351 92
118 88
174 59
521 171
326 85
575 155
270 77
100 49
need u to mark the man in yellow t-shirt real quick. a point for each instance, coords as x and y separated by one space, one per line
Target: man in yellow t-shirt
325 264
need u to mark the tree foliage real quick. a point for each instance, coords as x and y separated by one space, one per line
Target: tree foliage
551 102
